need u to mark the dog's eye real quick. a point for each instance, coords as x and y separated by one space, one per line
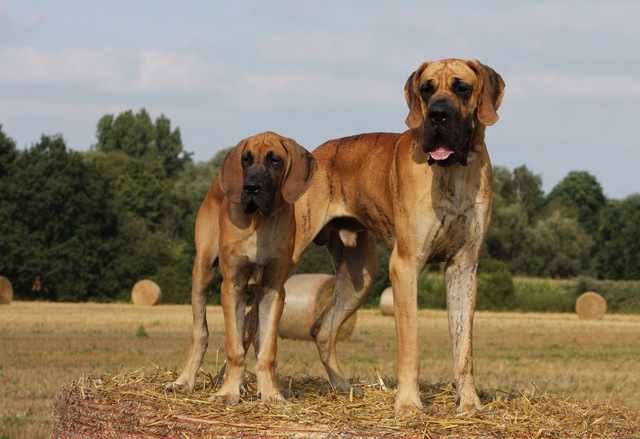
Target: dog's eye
246 160
426 88
463 90
276 162
273 160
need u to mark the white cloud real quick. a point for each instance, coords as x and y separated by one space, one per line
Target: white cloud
170 71
574 87
320 47
30 65
308 88
108 69
11 25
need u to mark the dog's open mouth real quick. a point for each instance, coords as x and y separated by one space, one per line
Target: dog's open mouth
444 155
440 152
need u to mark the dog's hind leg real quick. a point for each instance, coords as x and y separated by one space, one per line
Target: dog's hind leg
355 268
204 270
203 274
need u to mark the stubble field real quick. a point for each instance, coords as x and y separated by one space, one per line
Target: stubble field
43 346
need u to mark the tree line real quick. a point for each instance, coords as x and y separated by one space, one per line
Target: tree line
82 226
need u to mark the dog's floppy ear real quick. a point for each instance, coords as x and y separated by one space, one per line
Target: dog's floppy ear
491 92
302 166
412 95
231 175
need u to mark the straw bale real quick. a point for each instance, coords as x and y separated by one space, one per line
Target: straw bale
135 404
386 302
146 292
591 305
6 291
307 296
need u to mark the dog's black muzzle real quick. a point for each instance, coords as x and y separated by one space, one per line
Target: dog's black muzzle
446 133
258 192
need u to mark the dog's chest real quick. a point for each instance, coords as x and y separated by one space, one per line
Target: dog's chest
269 241
457 217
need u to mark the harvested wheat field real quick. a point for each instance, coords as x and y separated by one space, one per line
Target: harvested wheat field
542 375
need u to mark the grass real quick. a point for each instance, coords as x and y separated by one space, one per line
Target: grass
142 333
43 346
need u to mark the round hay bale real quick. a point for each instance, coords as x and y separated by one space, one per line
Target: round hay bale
146 292
134 405
386 302
591 305
307 296
6 291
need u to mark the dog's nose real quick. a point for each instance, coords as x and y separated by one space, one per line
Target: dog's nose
252 187
439 113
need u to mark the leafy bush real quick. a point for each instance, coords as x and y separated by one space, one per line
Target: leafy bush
543 295
495 288
495 291
431 288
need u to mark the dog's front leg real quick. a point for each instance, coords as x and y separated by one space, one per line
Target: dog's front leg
233 308
271 304
404 281
461 282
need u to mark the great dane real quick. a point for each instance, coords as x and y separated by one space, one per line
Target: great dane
427 194
246 226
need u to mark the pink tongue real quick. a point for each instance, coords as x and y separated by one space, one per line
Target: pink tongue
440 153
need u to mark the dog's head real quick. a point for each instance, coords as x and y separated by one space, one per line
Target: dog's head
448 100
265 170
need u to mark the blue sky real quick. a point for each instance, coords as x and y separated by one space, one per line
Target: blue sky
315 70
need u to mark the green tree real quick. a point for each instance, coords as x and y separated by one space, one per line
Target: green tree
558 247
517 198
57 224
140 187
10 239
152 236
618 255
137 136
578 195
520 187
196 178
8 154
508 235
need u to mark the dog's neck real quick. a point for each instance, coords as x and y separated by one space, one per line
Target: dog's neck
243 220
476 144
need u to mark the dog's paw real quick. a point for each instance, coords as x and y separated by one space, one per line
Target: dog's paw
178 387
228 398
275 398
348 389
468 403
407 401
